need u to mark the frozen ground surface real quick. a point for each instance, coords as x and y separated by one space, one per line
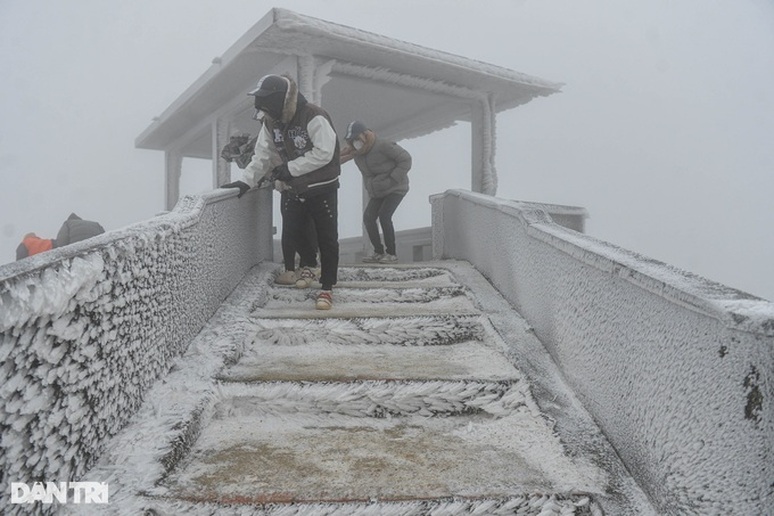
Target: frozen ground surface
421 392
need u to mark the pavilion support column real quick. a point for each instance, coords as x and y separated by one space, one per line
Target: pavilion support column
312 76
483 173
173 167
221 169
306 70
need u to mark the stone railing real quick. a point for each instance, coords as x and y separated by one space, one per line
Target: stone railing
86 329
415 245
677 370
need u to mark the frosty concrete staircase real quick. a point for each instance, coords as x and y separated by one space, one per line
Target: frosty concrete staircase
411 396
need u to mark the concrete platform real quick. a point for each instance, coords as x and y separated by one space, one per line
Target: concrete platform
282 459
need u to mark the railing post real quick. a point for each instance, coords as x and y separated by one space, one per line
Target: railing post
221 169
436 214
173 167
483 173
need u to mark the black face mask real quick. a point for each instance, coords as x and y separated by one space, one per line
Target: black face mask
271 104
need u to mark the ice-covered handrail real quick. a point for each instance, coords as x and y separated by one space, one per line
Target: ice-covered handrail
677 370
734 307
86 329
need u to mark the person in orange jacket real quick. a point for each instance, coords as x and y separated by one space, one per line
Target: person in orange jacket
33 244
74 229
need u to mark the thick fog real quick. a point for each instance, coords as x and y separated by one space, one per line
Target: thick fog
663 129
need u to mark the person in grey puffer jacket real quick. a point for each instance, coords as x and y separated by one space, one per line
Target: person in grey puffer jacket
75 229
384 165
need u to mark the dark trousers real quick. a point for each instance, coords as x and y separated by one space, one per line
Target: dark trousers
324 212
382 209
306 247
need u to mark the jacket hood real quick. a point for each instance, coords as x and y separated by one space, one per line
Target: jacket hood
370 138
293 100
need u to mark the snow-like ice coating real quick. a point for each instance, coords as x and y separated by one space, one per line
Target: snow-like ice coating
678 370
87 329
203 405
301 25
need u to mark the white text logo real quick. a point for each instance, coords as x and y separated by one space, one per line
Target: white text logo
62 492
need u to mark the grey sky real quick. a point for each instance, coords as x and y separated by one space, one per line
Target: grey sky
662 131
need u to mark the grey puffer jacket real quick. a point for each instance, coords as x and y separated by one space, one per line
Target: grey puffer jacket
76 229
385 168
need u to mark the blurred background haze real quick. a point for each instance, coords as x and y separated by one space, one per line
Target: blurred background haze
663 130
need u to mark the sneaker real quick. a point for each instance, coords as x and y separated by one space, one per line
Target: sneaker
374 258
286 278
388 258
324 300
305 278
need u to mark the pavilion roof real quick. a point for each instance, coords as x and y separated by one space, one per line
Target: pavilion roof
399 89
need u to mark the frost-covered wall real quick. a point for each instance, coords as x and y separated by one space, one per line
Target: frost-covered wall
678 370
87 329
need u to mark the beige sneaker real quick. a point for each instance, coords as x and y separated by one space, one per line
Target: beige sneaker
305 278
286 278
324 300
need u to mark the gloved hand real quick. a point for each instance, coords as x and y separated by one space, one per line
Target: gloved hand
281 173
243 187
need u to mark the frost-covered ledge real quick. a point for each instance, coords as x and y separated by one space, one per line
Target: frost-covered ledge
677 370
87 329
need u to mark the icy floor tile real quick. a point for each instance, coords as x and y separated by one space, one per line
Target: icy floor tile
428 330
298 459
331 362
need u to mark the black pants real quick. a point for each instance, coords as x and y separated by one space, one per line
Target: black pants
306 247
382 209
324 212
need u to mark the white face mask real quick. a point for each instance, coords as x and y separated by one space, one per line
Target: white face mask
357 144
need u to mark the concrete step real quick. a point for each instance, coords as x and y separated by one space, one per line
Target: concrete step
373 398
430 330
412 273
260 459
535 504
391 276
368 302
320 362
368 348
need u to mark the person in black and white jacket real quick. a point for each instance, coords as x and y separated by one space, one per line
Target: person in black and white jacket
299 147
